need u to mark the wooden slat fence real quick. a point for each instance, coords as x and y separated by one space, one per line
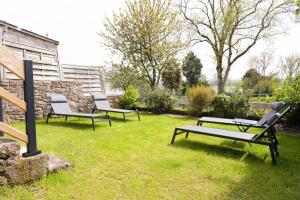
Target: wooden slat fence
43 52
91 77
26 45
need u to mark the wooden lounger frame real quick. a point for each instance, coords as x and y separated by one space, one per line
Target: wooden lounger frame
22 69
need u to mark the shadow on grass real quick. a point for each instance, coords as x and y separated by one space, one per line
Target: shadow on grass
75 124
220 150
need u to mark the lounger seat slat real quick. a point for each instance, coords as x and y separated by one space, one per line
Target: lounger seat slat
76 114
216 120
117 110
217 132
227 121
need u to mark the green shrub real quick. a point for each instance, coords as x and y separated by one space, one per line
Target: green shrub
264 87
220 101
238 105
160 101
200 97
289 92
129 98
266 99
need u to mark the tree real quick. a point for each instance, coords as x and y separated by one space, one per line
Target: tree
192 68
297 2
262 62
290 65
258 83
171 77
232 27
251 78
121 77
145 36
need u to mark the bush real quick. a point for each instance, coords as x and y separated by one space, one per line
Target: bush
238 105
220 101
129 98
264 87
235 105
199 98
160 101
289 92
266 99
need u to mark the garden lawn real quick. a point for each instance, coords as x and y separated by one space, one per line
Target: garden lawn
136 161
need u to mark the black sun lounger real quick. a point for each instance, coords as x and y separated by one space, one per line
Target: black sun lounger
60 107
265 137
244 124
102 104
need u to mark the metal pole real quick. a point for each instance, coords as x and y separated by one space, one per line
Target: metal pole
30 114
1 115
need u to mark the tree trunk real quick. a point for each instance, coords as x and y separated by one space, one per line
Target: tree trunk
220 80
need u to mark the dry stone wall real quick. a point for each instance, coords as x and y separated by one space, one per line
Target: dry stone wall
73 90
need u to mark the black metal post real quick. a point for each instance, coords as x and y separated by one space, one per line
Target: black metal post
30 114
1 115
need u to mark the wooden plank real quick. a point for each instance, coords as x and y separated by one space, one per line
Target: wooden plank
45 73
13 132
11 62
6 95
46 78
95 68
45 67
1 35
81 76
30 48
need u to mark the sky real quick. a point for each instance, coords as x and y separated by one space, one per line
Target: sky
76 24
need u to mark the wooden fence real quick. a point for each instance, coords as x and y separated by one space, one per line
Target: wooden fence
91 77
43 52
25 44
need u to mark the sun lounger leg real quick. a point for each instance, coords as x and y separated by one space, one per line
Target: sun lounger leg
199 123
66 118
124 119
93 123
174 135
187 134
48 116
271 147
138 114
109 120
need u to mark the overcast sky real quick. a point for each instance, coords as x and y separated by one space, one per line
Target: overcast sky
75 25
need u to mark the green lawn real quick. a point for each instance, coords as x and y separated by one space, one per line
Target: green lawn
136 161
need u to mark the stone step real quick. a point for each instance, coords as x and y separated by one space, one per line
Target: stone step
56 163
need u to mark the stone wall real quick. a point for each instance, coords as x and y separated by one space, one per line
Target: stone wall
73 90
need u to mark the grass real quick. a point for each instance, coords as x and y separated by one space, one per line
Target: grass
136 161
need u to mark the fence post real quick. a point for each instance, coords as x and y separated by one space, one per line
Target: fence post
1 115
30 114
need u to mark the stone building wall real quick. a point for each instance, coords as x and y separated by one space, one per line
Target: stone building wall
73 90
